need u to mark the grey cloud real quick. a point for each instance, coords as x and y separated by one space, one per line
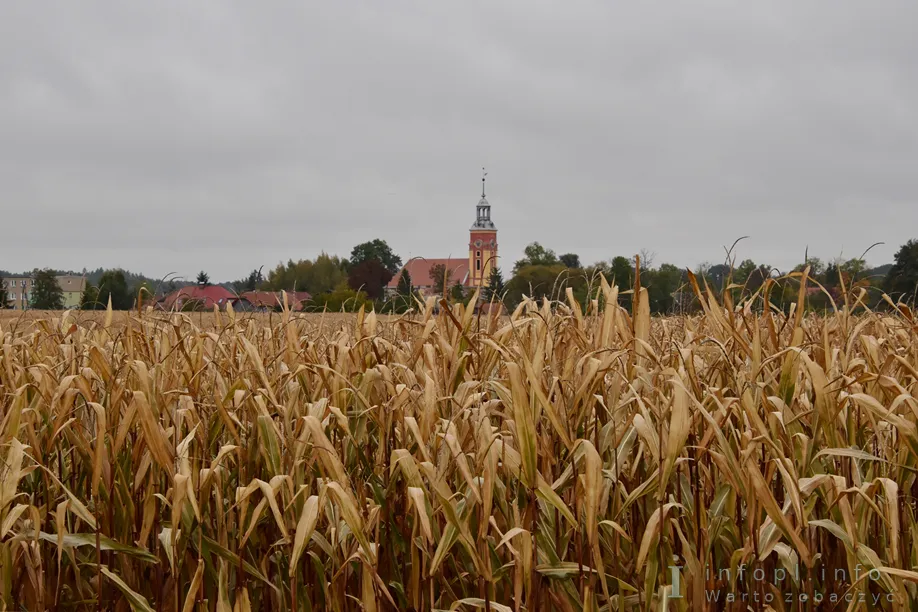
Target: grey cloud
178 136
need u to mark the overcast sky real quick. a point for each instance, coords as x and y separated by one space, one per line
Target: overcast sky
178 136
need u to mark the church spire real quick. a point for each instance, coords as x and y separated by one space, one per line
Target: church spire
483 213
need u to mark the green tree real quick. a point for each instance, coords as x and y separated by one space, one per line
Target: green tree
817 267
317 276
535 255
203 279
902 278
758 277
662 284
538 282
250 282
457 292
853 269
369 276
281 277
114 284
440 277
717 277
143 291
90 298
404 299
832 276
380 251
342 299
46 292
741 273
495 289
621 273
326 273
4 297
404 283
570 260
622 270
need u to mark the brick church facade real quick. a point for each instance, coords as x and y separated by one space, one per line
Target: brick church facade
471 272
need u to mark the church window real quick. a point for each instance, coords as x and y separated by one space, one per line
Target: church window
477 253
478 264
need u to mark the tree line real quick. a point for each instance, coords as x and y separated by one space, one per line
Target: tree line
337 283
347 283
542 273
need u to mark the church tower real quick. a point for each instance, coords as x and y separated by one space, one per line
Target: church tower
482 242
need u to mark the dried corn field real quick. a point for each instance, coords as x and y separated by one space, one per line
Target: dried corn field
564 458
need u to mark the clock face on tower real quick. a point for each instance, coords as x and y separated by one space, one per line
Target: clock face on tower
478 243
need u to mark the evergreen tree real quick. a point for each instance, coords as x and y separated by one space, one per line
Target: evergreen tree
440 278
250 283
495 288
203 279
46 292
404 284
4 297
405 292
832 276
114 284
90 298
457 292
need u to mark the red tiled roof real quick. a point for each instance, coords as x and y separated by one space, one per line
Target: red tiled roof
270 299
207 296
419 270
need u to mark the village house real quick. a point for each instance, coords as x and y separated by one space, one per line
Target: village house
19 290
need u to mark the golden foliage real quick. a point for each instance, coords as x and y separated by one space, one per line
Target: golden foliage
560 458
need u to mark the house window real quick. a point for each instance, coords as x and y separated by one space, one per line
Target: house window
22 283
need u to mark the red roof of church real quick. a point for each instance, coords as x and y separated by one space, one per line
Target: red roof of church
419 270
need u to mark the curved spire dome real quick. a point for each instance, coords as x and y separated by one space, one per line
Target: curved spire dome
483 210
